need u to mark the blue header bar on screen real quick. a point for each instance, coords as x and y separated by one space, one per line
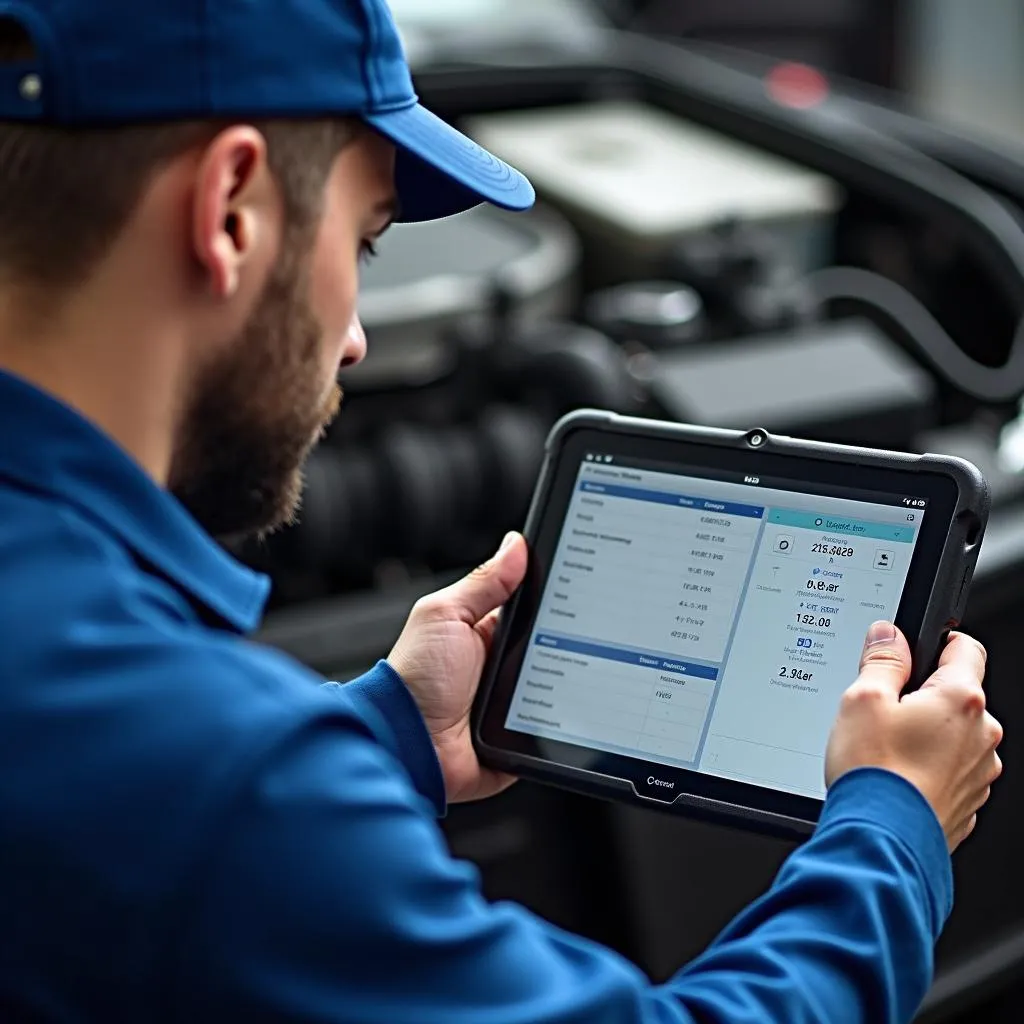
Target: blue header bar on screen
727 508
655 661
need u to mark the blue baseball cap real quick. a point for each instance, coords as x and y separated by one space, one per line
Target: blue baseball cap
107 62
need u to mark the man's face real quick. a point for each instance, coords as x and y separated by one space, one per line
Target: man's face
256 412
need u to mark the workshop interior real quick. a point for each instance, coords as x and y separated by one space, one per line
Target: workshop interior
801 215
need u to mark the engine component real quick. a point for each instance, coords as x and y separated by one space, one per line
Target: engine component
634 180
838 381
340 501
746 275
512 447
416 493
559 366
654 314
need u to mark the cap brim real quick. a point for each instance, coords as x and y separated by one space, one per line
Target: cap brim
440 172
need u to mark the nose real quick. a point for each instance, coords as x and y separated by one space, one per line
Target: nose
354 349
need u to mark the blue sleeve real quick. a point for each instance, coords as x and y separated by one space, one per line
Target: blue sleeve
329 895
382 700
847 932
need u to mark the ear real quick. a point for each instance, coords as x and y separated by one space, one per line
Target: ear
230 206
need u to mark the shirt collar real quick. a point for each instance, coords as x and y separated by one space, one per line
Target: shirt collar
52 449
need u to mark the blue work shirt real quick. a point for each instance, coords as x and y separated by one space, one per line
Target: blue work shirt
193 828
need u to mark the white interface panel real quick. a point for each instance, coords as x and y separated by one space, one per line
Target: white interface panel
709 625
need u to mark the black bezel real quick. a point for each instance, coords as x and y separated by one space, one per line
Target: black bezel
931 604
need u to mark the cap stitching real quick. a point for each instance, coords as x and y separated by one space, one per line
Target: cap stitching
366 65
373 41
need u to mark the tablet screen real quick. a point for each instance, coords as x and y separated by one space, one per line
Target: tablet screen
710 624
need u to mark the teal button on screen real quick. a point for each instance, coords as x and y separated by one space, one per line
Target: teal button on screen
842 526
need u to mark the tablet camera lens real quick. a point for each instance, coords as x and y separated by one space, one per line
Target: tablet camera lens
756 439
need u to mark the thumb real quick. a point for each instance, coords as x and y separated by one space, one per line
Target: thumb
492 584
886 660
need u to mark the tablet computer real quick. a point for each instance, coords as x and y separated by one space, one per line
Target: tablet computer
697 601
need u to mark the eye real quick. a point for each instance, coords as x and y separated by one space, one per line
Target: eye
367 251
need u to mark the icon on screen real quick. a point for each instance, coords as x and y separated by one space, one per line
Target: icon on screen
819 522
884 559
803 641
783 544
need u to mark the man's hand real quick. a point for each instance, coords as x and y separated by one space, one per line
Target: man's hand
940 737
441 654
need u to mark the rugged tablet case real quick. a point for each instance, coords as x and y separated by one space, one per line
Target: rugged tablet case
943 613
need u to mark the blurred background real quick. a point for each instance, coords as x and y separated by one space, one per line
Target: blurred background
804 215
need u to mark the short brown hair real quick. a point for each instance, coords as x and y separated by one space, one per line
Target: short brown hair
66 194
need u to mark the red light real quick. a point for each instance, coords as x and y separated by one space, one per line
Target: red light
797 85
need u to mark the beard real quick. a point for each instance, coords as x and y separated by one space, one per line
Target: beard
255 413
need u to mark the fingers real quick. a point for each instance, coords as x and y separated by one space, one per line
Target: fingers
963 660
963 832
886 661
994 730
966 652
487 625
978 791
979 798
986 774
489 586
960 675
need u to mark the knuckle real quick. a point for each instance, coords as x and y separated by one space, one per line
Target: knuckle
862 694
964 693
973 700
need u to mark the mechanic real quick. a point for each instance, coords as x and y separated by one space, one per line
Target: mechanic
195 828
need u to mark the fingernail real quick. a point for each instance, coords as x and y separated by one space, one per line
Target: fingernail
507 542
881 633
